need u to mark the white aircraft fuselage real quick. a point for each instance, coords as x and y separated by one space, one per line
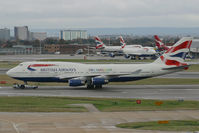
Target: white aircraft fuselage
139 51
119 48
64 71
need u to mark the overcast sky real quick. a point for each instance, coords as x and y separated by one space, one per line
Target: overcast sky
99 13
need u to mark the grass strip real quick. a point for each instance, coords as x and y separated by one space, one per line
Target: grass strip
62 104
172 125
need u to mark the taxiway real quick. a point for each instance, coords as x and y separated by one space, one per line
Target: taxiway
186 92
95 122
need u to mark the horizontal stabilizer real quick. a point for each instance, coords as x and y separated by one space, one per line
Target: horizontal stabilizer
174 68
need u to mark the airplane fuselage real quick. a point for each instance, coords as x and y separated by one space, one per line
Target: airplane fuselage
63 71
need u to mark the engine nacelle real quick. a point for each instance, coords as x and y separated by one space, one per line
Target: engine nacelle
112 55
99 81
127 56
76 82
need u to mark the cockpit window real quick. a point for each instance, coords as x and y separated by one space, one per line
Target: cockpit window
20 64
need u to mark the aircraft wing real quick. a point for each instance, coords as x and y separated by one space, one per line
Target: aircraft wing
66 76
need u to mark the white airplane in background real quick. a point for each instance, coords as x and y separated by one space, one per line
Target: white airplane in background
123 44
101 45
112 49
96 75
137 51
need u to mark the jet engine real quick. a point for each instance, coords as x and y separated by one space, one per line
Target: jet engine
76 82
112 55
127 56
99 81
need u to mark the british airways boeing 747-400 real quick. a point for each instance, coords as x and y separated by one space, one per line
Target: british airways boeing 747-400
96 75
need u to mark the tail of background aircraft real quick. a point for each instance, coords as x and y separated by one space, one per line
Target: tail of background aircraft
176 54
123 44
99 43
160 44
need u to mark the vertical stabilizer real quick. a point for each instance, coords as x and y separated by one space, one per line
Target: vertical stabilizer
99 43
175 56
160 45
122 42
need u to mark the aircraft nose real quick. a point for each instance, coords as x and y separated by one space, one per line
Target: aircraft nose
9 73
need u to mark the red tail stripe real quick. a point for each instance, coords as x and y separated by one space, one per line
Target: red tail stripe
99 46
122 40
98 39
172 62
123 45
157 38
41 65
185 44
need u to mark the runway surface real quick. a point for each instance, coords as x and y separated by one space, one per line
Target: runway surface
95 122
22 58
186 92
51 56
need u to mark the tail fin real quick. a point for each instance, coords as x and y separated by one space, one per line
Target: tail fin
176 54
158 42
99 43
123 44
161 46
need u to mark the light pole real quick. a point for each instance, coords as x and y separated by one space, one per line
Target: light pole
40 46
88 50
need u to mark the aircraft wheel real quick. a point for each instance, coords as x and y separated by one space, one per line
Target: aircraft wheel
22 87
35 87
90 86
132 58
98 86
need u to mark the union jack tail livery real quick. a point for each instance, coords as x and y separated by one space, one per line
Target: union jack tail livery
175 55
123 44
99 43
161 46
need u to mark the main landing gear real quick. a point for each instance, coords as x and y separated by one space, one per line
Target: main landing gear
90 85
24 86
94 86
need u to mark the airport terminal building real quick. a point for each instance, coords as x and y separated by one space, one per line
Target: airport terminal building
73 34
4 34
195 48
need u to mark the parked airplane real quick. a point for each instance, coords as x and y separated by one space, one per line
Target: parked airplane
160 45
96 75
123 44
137 51
101 45
112 50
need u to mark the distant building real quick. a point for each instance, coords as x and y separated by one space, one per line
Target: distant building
195 48
63 48
73 34
38 36
19 49
21 33
4 34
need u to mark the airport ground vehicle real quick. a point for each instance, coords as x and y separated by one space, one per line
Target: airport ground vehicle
24 86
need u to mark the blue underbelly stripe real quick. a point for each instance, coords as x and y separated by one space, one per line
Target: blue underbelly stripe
53 79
